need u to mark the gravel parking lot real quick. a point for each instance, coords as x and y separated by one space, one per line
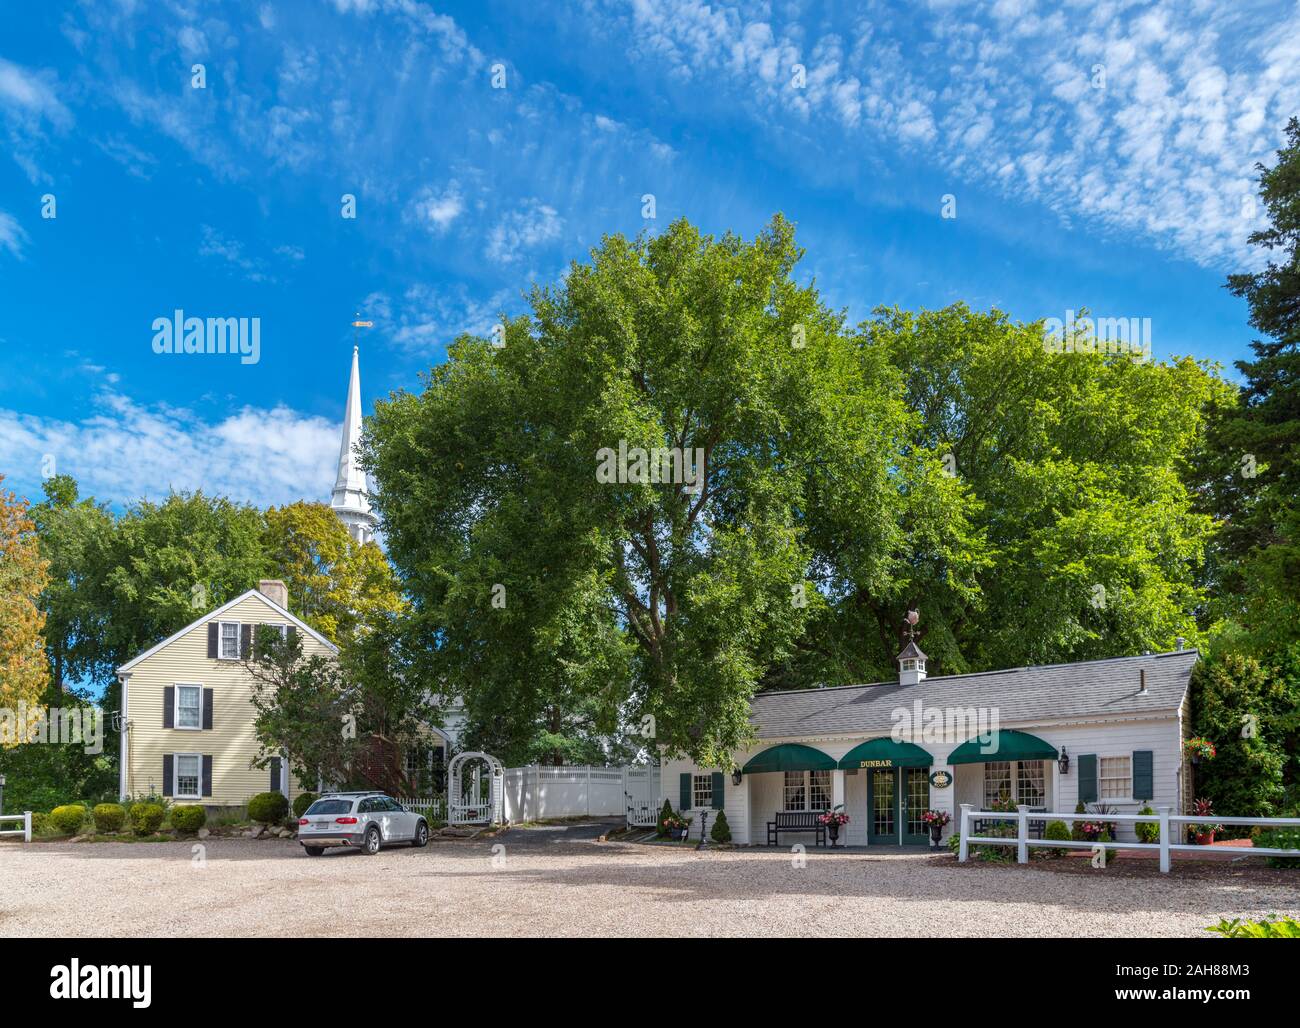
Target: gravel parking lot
553 881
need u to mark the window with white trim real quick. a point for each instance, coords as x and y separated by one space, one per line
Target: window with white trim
701 791
807 790
997 783
189 706
188 768
1015 781
1031 783
229 645
1114 778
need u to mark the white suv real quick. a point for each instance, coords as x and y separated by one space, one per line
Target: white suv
364 820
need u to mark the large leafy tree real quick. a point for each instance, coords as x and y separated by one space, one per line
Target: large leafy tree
334 583
24 672
519 558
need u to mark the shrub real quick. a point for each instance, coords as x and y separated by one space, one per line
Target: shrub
302 801
40 822
721 831
665 814
146 818
189 818
1057 831
67 819
1147 831
1076 827
1280 839
109 818
268 808
1286 928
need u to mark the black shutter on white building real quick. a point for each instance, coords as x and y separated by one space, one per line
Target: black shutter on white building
213 630
167 773
207 709
169 706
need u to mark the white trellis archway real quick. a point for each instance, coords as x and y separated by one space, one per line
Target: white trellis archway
474 789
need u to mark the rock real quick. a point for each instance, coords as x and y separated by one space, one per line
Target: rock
79 838
204 833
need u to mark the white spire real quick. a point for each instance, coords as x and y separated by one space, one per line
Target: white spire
349 500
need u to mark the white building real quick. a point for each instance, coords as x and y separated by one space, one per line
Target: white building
350 499
1102 731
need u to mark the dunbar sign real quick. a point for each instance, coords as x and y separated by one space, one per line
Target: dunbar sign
940 779
876 763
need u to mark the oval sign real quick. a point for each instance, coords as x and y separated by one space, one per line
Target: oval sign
941 779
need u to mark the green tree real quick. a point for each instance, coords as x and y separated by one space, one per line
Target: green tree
24 574
504 533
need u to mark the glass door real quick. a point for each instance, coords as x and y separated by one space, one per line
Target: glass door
882 806
916 800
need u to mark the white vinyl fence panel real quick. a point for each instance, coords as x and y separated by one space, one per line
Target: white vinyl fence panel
534 793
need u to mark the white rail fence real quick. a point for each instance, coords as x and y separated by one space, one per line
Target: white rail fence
1162 817
533 793
25 831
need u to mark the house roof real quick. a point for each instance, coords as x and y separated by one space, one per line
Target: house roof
126 668
1082 691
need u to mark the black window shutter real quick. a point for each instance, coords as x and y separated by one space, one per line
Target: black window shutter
206 788
213 629
169 706
1088 778
167 774
275 774
245 640
289 635
1143 776
207 708
685 791
718 785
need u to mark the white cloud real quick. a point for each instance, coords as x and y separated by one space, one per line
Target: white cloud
533 224
438 210
124 451
12 235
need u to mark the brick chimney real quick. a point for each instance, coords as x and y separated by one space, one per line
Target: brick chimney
275 591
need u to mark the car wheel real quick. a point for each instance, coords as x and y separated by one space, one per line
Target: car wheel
421 835
372 841
314 851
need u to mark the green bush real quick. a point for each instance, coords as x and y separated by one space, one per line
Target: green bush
146 818
67 819
1057 831
1280 839
1076 827
302 801
40 822
109 818
721 831
189 818
268 808
1147 831
1286 928
666 812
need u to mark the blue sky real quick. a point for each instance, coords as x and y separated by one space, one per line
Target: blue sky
1101 155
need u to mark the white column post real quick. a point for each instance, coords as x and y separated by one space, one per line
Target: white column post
963 827
1164 838
1022 834
837 788
27 826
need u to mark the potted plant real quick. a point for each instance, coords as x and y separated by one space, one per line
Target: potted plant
935 820
1199 749
678 827
832 819
1204 830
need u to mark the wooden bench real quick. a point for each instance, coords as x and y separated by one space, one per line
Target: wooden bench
796 821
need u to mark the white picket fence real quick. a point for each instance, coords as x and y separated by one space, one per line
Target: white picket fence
1163 817
434 808
25 831
534 793
641 795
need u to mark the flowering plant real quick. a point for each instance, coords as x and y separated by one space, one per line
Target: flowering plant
673 822
1204 808
834 817
936 817
1092 830
1199 747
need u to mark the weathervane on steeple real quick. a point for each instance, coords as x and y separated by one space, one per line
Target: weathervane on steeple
357 326
911 662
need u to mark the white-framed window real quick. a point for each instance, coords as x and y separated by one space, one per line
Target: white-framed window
1114 778
189 707
701 791
228 640
1015 781
807 790
187 769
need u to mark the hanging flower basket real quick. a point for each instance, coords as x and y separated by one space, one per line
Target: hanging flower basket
1199 749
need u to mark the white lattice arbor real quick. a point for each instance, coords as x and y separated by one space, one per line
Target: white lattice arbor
474 795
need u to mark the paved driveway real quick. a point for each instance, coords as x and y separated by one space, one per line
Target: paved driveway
557 880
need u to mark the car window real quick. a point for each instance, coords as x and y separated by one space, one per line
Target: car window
367 806
394 806
330 807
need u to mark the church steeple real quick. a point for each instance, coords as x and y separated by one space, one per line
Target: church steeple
349 499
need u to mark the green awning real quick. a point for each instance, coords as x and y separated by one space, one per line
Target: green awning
885 752
789 756
1003 745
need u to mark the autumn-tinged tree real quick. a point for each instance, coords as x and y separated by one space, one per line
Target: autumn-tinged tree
24 673
334 583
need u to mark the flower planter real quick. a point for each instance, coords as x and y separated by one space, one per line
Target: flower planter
833 832
1204 839
680 834
936 832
